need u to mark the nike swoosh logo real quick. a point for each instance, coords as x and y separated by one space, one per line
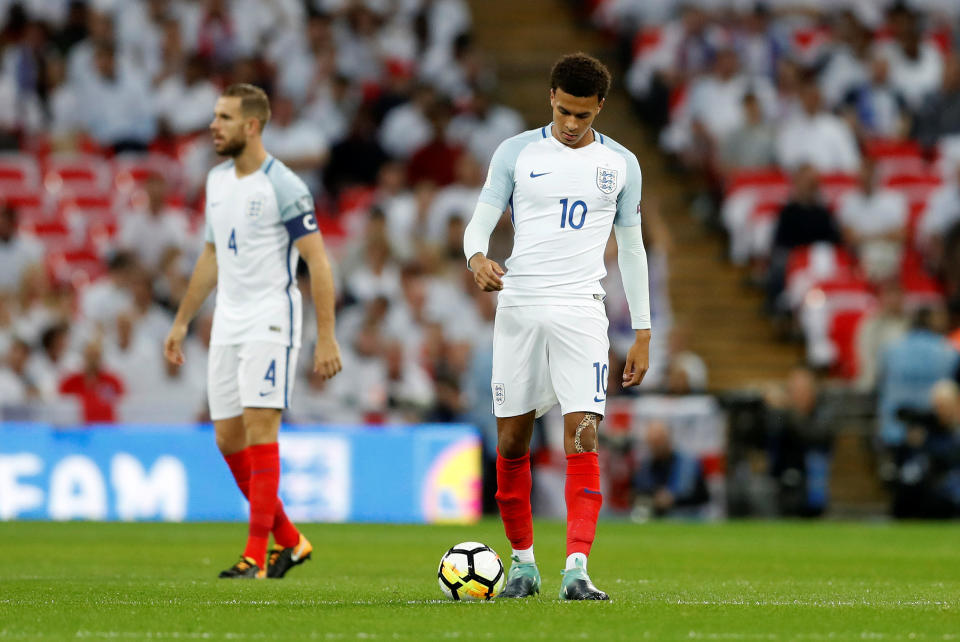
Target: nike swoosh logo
266 394
599 400
532 175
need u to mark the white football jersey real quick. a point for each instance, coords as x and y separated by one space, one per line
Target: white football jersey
253 222
564 202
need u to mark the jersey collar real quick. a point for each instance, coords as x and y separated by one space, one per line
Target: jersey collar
267 164
547 132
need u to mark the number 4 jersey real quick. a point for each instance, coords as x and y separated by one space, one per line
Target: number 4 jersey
564 202
253 222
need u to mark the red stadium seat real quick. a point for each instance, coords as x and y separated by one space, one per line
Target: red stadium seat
355 198
770 177
92 218
886 148
835 185
72 200
19 172
17 199
76 267
131 170
647 40
913 219
807 267
915 187
919 287
843 334
896 157
768 209
846 291
80 172
823 302
55 234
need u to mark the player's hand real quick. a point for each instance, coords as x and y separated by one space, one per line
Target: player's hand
173 345
326 358
638 360
486 273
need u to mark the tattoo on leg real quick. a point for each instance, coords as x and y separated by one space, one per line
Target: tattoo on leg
590 420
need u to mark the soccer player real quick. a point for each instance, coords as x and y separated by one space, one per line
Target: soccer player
259 222
566 185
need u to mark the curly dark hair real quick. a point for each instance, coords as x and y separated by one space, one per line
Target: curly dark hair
580 75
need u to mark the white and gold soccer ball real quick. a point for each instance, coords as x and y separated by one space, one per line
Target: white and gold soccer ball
471 571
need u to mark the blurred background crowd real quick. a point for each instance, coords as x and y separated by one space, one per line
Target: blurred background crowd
821 138
385 109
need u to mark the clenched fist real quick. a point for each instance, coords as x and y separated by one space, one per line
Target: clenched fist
486 273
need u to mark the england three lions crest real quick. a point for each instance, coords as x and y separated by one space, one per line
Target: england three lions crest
499 394
606 180
255 206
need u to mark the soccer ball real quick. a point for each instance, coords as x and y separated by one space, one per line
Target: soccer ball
471 571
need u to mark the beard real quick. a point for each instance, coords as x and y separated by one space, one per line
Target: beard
232 148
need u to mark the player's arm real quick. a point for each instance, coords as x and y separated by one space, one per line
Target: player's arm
297 212
326 355
476 241
632 258
202 282
493 201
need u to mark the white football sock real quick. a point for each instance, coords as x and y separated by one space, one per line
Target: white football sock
525 555
572 561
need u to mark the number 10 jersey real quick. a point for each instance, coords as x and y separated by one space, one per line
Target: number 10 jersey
564 202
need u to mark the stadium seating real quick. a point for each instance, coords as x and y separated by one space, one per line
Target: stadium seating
80 172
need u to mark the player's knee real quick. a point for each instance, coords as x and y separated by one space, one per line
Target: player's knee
585 438
262 425
231 443
511 445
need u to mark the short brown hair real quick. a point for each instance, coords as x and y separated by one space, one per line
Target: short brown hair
253 101
580 75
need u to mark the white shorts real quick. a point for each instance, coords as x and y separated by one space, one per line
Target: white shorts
249 375
543 354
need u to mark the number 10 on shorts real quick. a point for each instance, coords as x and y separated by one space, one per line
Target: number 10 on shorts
601 371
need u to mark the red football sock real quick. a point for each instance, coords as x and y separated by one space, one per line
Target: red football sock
514 484
264 482
583 497
284 532
239 463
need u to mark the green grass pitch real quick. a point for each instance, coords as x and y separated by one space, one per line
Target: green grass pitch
738 581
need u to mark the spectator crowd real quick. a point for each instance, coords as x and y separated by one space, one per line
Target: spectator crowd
387 111
823 139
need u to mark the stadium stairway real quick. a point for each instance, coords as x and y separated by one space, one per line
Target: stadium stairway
721 317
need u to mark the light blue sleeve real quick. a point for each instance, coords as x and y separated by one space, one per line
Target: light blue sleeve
293 196
628 201
500 180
